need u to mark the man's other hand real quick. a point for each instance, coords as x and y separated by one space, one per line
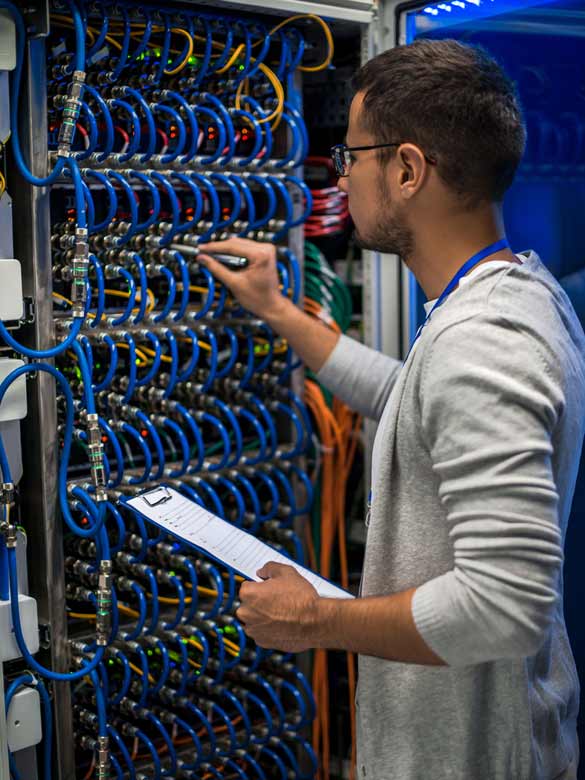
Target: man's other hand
281 612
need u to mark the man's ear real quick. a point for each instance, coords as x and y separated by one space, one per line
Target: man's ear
413 169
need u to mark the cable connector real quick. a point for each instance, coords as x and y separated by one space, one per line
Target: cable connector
103 623
96 457
79 273
7 493
9 532
71 112
103 759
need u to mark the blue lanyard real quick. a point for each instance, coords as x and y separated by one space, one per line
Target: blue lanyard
465 268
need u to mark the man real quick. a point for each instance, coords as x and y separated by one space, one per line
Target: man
465 666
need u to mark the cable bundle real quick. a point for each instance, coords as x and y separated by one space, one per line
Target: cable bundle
330 210
337 431
166 129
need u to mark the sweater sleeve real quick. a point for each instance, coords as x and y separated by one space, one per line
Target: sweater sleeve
488 415
360 376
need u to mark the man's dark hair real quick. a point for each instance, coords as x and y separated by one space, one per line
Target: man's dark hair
456 103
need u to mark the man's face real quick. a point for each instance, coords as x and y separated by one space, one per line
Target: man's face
378 218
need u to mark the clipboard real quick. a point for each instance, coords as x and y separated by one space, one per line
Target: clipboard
233 547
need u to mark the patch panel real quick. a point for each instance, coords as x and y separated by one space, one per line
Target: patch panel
166 128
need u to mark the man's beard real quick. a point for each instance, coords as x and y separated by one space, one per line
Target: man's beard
390 234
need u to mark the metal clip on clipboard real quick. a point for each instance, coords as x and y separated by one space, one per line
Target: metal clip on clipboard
156 496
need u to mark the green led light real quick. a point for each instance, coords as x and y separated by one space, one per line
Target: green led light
185 641
230 630
157 52
111 662
193 60
149 652
240 67
172 574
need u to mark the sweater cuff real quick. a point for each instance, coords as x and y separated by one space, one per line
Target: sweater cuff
429 612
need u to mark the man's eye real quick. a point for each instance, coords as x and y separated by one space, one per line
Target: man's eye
352 157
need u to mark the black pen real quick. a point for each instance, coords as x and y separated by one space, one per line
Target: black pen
235 262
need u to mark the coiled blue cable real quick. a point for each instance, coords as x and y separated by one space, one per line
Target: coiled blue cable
135 133
142 227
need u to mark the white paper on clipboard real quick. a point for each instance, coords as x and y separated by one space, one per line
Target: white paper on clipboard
236 548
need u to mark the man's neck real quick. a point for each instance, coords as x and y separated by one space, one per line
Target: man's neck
444 247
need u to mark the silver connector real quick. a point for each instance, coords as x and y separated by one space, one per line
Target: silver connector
96 457
79 273
104 603
71 111
103 762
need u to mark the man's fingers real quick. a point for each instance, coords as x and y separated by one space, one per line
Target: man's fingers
217 269
245 589
272 569
231 246
242 614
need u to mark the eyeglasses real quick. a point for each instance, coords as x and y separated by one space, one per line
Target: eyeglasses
342 160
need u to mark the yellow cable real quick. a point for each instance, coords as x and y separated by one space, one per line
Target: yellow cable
195 643
328 36
278 89
81 616
113 42
123 294
139 671
202 344
236 53
139 353
65 21
154 29
229 644
127 611
167 600
152 353
187 56
2 184
119 293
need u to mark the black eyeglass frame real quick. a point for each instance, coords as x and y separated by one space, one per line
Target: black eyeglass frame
339 149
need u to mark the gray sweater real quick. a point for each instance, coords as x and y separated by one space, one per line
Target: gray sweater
473 473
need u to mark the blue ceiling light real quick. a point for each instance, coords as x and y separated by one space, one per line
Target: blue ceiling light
443 14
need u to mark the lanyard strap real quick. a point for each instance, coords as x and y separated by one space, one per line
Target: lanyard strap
465 268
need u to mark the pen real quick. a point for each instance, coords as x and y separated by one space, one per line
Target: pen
230 261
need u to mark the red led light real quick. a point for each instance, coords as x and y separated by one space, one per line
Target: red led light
144 434
84 521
